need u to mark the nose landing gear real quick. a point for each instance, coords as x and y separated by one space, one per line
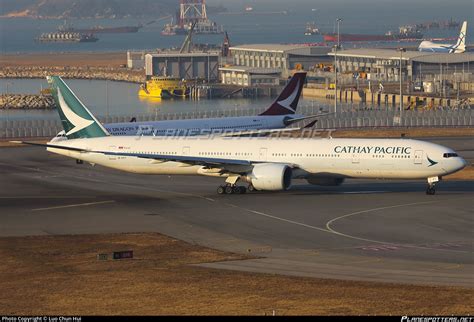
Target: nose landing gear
430 190
432 181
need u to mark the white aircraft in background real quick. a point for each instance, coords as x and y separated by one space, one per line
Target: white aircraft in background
265 163
459 47
279 115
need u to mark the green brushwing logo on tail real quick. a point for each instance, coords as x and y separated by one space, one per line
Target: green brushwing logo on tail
77 120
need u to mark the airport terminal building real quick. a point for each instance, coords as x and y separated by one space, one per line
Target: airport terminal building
384 64
265 64
195 65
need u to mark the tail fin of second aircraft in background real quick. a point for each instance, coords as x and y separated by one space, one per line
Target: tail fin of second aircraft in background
460 46
287 101
77 120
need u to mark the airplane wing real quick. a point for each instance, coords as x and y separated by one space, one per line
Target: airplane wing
290 121
226 165
180 158
51 146
278 131
260 133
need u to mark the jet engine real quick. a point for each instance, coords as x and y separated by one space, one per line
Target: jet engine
325 181
271 177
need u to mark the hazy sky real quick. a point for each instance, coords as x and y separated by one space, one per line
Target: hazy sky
294 4
403 10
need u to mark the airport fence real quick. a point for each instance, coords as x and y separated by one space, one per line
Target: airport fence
348 116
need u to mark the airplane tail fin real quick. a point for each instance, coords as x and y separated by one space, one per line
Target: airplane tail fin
460 46
287 101
77 120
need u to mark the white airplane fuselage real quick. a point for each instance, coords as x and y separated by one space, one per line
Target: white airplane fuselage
197 126
429 46
350 158
457 48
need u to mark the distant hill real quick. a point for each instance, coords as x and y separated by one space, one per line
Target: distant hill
87 8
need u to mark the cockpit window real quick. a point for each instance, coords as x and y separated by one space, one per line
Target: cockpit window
450 155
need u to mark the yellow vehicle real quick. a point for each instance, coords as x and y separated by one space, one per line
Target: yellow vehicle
164 87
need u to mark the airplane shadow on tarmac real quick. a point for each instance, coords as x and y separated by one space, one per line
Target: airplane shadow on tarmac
444 187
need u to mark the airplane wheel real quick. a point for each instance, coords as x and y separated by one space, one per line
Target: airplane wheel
430 191
221 190
229 189
242 190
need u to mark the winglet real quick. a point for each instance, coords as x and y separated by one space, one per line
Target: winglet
287 101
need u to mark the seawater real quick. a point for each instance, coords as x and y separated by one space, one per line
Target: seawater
120 98
362 16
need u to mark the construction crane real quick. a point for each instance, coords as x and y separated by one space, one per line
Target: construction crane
226 46
188 41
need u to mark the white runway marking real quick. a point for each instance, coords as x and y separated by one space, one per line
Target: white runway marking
332 231
281 219
363 192
115 183
158 190
328 224
329 230
76 205
290 221
46 197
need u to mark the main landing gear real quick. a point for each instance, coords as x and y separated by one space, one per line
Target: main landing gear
432 181
230 189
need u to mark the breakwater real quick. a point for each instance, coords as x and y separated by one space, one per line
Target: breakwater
26 101
99 73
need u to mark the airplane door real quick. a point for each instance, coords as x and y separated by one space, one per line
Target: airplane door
112 148
418 157
186 150
263 154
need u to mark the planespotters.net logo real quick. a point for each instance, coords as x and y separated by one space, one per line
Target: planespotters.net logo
437 319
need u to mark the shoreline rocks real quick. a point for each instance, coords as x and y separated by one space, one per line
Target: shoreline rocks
26 102
98 73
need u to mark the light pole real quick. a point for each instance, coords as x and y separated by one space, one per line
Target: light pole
401 50
338 20
335 79
107 97
6 87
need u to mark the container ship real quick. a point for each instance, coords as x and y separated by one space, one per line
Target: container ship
100 29
387 37
63 36
407 32
356 37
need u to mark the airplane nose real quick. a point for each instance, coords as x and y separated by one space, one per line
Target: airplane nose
463 163
459 164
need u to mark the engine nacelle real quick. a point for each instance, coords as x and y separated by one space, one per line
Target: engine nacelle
325 181
270 176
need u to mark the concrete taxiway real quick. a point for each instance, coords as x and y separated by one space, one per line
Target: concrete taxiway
362 230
